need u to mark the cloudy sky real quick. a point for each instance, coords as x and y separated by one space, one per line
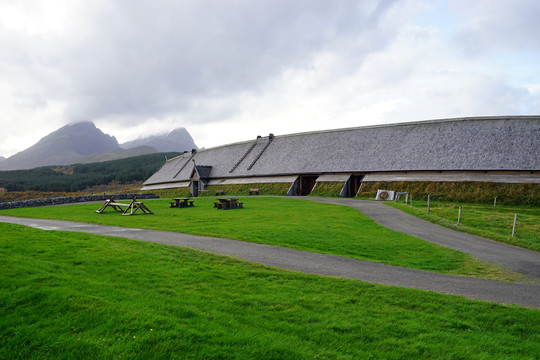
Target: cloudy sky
229 70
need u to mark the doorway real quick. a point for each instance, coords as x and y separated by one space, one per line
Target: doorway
194 188
352 186
306 184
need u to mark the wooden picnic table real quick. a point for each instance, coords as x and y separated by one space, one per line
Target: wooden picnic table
182 202
130 208
227 204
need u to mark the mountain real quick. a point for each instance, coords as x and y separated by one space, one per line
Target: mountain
63 146
177 140
84 143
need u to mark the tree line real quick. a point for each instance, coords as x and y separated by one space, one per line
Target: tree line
79 177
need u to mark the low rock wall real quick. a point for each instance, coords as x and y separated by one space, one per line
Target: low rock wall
72 199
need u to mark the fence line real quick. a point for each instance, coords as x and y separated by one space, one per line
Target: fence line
460 213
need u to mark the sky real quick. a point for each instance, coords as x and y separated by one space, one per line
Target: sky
229 70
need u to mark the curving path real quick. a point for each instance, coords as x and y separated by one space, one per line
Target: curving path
307 262
511 257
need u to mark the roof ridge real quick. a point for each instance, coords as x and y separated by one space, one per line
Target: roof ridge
405 123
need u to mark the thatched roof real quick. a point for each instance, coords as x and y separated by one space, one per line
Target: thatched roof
466 144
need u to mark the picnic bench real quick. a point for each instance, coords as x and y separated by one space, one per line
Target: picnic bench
219 192
227 204
182 202
130 208
253 191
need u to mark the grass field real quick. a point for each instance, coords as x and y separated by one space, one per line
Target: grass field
79 296
293 223
483 220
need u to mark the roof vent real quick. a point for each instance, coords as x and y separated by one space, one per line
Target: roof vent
259 136
271 136
193 151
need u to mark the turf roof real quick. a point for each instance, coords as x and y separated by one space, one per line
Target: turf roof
465 144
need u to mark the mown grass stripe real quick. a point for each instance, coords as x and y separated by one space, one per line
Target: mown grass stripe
81 296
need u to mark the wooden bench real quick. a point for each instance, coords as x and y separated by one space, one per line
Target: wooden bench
219 192
219 205
227 204
253 191
181 203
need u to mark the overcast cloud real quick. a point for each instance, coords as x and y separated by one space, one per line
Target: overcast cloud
231 70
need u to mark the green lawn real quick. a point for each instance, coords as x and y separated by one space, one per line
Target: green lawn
80 296
483 220
293 223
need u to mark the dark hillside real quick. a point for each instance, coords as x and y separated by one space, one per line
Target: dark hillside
82 176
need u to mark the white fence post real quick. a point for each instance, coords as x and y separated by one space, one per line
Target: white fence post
428 203
514 227
459 216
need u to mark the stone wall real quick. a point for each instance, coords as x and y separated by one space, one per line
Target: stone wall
72 199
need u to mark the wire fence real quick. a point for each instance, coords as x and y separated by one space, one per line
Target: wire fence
502 220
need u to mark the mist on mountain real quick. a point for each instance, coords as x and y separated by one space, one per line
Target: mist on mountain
83 142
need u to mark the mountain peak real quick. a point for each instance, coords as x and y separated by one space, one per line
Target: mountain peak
177 131
63 146
177 140
82 141
83 138
82 125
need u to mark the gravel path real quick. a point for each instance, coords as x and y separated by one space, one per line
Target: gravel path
307 262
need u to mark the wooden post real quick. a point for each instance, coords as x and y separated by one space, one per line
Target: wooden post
407 199
514 227
459 216
411 199
428 203
494 203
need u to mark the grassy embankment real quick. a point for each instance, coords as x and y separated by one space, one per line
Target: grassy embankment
463 191
228 190
327 189
81 296
483 220
292 223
